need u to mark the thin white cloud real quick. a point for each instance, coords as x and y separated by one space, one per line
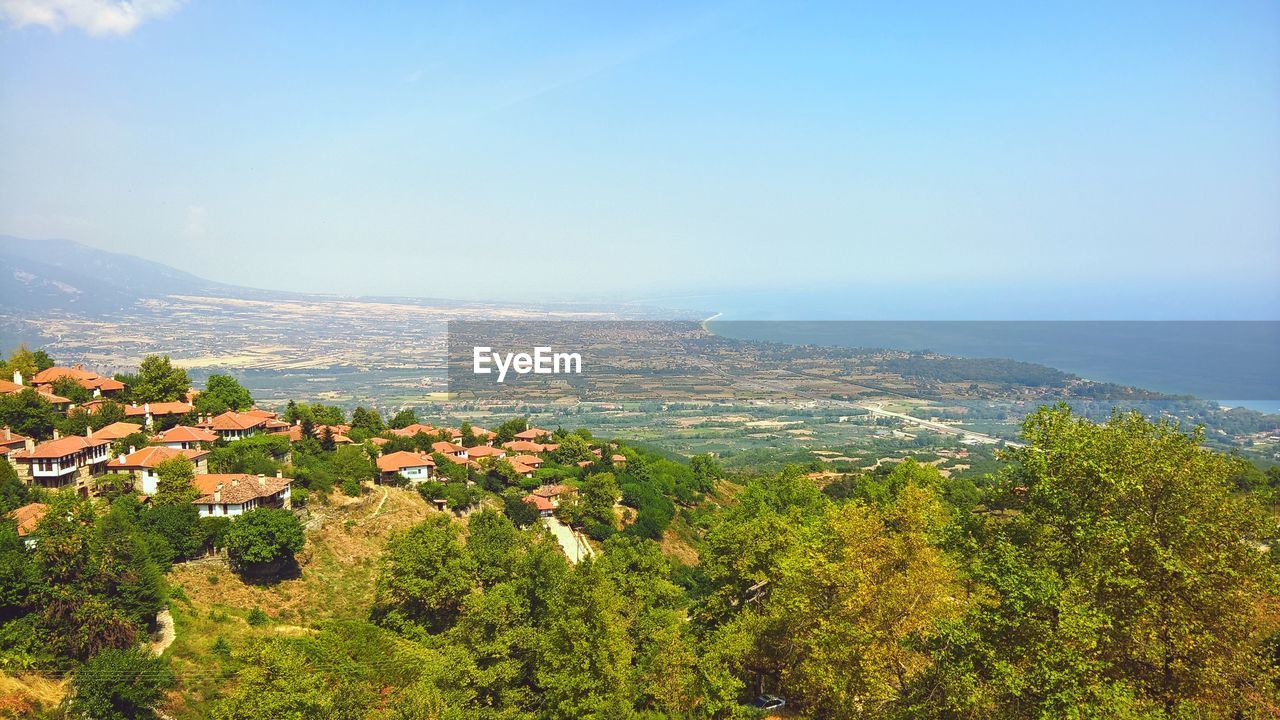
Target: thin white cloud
96 17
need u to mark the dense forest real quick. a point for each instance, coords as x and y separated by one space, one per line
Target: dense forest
1113 569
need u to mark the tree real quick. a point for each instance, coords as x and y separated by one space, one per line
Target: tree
175 482
24 361
572 449
159 381
120 684
352 462
706 471
13 492
596 498
426 573
585 651
517 510
262 540
850 606
27 413
222 393
368 420
403 419
1129 580
72 390
493 541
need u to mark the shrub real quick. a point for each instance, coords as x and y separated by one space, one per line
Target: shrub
256 617
264 538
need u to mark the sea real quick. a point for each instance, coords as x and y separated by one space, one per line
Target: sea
1236 363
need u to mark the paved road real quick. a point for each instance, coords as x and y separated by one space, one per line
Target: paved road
574 545
971 436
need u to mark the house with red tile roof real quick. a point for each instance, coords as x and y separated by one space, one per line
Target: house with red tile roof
521 469
544 506
185 437
232 494
449 449
64 461
232 425
414 467
532 461
87 379
116 431
141 464
552 493
10 441
150 411
414 429
480 451
533 433
28 517
12 388
524 446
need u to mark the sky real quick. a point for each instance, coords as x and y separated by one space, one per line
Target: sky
1049 155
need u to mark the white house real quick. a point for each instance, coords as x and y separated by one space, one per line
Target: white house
414 467
142 464
232 494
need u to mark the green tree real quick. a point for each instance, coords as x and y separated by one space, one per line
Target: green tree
585 651
222 393
27 413
1128 581
262 540
72 390
120 685
159 381
426 572
13 492
368 420
403 419
493 541
175 482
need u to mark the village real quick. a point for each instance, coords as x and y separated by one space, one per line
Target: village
153 433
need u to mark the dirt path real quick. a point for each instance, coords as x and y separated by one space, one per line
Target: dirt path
167 633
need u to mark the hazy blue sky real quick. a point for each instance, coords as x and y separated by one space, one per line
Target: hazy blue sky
592 149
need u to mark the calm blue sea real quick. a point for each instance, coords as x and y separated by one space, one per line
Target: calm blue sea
1234 362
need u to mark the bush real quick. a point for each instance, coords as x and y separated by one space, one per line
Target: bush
599 531
256 617
263 539
351 488
120 684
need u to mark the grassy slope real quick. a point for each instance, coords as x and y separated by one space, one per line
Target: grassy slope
339 566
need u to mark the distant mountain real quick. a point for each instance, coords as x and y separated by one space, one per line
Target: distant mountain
65 275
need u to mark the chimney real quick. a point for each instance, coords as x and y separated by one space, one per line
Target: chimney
235 482
8 434
279 474
146 408
217 493
262 481
56 435
17 377
134 404
120 458
88 431
29 444
132 449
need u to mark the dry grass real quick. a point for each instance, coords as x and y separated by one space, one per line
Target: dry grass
339 566
24 695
